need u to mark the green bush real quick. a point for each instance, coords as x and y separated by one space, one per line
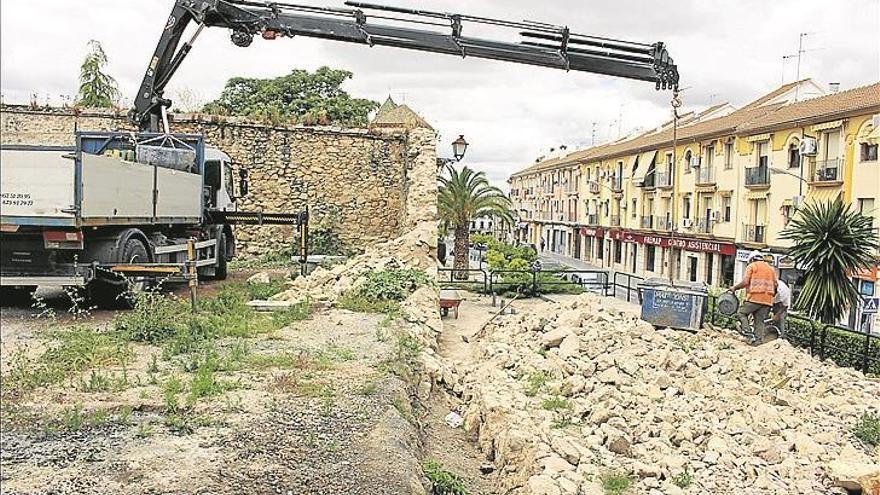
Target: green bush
443 481
868 429
382 291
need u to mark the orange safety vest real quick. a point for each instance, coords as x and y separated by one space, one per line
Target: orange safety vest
761 280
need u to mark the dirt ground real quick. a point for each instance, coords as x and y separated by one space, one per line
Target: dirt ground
341 423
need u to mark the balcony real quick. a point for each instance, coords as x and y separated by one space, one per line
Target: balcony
594 187
828 172
664 179
593 219
662 223
614 220
704 176
758 176
650 181
754 233
704 226
647 222
617 184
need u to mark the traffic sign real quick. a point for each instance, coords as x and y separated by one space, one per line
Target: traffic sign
870 306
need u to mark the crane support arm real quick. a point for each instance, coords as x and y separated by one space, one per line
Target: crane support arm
376 25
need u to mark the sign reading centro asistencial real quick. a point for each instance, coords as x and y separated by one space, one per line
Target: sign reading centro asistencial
699 245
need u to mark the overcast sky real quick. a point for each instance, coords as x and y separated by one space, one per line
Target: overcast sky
726 51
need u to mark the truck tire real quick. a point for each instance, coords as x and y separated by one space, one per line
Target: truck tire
112 294
222 270
17 296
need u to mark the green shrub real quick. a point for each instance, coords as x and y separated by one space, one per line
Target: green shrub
353 302
868 429
382 291
443 481
683 479
535 382
616 483
556 404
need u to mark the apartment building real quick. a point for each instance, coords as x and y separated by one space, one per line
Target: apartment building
692 202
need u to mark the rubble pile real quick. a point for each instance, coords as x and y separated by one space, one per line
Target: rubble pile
569 394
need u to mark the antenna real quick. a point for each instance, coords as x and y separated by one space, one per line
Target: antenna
784 59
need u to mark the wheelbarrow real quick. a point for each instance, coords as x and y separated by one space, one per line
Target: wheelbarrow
449 299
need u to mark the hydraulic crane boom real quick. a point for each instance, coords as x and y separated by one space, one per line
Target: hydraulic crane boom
541 44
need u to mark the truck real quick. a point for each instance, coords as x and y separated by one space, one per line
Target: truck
72 214
110 212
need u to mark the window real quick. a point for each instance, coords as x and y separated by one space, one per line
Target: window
763 159
710 156
686 207
618 251
650 255
831 145
726 207
634 208
728 156
688 159
866 207
868 152
794 156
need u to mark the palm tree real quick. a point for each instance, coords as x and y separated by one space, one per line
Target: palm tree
463 196
831 241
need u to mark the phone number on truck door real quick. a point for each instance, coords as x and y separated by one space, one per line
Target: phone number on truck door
16 199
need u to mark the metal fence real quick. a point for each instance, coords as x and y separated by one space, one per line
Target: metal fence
475 279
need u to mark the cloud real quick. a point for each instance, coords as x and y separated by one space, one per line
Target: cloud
726 51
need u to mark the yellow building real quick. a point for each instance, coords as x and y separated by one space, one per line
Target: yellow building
692 202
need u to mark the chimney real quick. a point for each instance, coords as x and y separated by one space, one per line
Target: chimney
833 87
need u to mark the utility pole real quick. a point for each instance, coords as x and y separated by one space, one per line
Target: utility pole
593 136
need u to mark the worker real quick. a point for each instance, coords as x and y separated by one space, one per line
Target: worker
760 283
781 305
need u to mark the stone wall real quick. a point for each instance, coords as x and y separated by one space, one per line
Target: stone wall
355 181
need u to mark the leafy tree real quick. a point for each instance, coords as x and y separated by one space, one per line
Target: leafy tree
831 241
463 196
97 89
301 96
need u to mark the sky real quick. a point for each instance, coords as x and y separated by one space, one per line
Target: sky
726 51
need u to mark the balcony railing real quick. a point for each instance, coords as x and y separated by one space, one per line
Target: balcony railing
650 181
593 219
647 222
594 187
662 223
828 171
614 220
704 225
704 176
754 233
758 176
617 184
664 179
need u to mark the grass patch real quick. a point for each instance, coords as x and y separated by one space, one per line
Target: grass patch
443 481
265 290
353 302
616 483
535 382
382 291
204 383
74 350
556 404
683 479
294 313
171 390
867 429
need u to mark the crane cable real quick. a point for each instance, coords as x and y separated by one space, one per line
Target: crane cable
676 104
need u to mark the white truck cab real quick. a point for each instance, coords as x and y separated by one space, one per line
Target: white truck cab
219 180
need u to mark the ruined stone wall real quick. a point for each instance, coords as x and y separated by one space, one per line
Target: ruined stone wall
354 181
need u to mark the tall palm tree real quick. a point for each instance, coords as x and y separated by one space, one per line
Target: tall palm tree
831 241
464 195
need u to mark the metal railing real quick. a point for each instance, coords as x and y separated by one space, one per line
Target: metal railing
594 187
664 179
704 176
662 223
828 171
624 282
647 222
650 181
593 219
704 225
754 233
617 184
534 282
468 278
614 220
758 176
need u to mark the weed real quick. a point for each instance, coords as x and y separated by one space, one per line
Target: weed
535 382
868 429
313 389
233 405
443 481
369 388
75 418
125 415
327 406
403 408
171 389
297 312
144 430
382 291
556 404
265 290
616 483
683 479
403 359
179 424
154 365
353 302
284 382
332 446
334 352
205 384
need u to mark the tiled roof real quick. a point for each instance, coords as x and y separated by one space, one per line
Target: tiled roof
757 115
398 116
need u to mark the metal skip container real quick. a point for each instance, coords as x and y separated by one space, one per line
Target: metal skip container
681 306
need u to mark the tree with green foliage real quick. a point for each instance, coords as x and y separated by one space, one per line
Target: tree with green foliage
301 97
463 196
97 89
831 241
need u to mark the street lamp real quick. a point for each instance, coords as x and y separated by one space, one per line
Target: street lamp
459 147
778 171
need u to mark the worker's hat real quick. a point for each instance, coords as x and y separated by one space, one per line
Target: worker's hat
756 255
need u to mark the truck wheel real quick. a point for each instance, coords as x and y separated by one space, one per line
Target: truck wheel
17 296
221 271
120 294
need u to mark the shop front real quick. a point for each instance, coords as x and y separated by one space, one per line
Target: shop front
695 260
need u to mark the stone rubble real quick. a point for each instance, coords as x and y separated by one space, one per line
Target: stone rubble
655 404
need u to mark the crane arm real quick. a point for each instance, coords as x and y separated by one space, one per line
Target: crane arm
539 44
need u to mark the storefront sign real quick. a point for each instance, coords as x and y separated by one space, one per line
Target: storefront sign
592 231
781 261
698 245
870 274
